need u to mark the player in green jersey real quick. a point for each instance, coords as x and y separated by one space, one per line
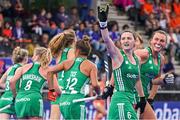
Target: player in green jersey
62 48
29 102
19 58
151 66
126 74
77 73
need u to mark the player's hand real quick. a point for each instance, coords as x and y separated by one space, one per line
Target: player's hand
52 95
103 15
168 79
151 101
108 91
141 104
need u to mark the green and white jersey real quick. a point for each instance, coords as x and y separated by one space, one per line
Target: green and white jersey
32 81
126 75
10 75
7 97
149 70
61 74
74 79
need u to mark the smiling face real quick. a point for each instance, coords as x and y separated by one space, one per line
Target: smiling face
127 41
158 42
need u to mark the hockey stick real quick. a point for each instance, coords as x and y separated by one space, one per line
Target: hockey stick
5 107
138 113
106 66
85 99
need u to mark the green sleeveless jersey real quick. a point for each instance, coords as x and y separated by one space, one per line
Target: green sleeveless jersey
61 74
7 97
149 70
126 75
32 81
74 79
10 75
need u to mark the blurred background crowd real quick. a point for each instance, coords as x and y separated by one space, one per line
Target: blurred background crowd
32 23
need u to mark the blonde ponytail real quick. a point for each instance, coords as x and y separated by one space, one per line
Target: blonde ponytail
61 41
44 56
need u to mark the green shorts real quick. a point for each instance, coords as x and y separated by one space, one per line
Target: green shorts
121 107
70 110
6 99
29 105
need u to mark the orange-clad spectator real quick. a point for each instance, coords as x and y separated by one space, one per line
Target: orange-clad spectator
147 8
174 21
176 7
7 31
166 7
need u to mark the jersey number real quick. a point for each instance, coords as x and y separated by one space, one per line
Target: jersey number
7 85
71 83
28 85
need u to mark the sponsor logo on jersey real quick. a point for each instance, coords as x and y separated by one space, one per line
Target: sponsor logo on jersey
23 99
132 76
7 99
150 75
64 103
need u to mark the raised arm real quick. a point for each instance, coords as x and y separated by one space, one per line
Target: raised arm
102 15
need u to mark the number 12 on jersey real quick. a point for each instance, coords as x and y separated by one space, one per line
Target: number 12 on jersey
71 82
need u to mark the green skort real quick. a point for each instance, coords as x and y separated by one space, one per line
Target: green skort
6 99
29 105
121 107
72 110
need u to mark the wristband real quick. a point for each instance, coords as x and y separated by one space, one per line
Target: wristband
103 25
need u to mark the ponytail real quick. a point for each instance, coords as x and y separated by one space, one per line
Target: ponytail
19 55
84 45
44 56
61 41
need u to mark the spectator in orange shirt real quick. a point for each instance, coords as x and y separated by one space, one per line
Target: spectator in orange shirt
7 31
176 7
174 21
166 7
147 9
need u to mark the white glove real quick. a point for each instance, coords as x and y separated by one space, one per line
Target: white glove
168 79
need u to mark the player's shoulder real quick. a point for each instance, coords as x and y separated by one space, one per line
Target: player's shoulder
89 63
142 53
